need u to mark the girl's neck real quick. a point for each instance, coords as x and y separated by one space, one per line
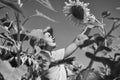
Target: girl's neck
46 50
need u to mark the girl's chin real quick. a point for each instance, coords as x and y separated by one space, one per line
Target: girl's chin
52 44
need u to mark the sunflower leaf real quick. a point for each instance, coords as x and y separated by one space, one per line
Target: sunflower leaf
38 13
6 37
23 37
47 4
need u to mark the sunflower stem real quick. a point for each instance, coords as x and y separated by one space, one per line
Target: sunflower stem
18 37
96 51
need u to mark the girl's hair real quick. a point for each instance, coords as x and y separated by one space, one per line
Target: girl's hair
49 30
41 43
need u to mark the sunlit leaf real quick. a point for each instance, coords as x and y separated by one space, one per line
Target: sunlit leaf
47 4
38 13
11 5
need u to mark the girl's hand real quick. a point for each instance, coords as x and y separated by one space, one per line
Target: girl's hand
80 39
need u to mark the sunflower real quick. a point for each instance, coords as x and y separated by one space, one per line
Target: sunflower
78 12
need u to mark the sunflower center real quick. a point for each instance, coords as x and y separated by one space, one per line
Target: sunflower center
77 12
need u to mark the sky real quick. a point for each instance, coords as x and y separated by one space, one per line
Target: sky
65 30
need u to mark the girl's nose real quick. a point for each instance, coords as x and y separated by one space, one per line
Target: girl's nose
53 39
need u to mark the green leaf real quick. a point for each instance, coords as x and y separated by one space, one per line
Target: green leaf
13 6
23 37
38 13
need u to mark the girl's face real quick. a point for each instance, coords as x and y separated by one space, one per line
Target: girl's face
50 40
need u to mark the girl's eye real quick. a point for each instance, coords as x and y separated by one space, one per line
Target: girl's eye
49 35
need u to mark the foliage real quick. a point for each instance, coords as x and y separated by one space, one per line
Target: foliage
14 36
101 43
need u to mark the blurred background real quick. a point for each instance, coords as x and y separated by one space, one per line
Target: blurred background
65 30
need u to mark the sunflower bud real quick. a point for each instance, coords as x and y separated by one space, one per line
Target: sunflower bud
105 14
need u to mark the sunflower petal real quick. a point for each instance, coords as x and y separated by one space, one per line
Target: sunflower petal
77 11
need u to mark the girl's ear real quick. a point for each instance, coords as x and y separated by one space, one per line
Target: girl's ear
32 41
41 43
